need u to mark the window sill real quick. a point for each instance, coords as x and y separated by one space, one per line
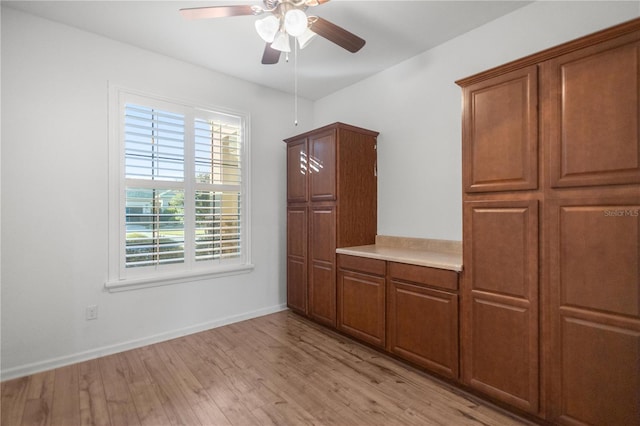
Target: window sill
161 280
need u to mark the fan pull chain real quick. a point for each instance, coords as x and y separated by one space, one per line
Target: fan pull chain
295 82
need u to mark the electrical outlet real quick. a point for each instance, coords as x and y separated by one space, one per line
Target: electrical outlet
91 312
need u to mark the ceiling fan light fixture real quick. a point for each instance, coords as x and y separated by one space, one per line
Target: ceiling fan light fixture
295 22
305 38
267 28
281 42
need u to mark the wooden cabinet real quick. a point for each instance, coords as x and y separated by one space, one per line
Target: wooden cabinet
501 117
499 318
590 102
331 202
322 166
361 298
422 317
297 171
297 259
500 314
592 108
409 310
594 295
322 272
550 301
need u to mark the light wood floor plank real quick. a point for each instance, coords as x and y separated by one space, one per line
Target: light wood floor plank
37 410
304 380
360 388
196 396
14 397
122 410
370 366
253 395
66 397
245 356
202 363
93 402
280 369
173 399
144 392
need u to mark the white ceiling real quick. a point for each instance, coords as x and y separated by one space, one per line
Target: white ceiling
394 31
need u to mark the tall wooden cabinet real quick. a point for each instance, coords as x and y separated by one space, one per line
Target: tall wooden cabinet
550 295
331 203
592 129
499 317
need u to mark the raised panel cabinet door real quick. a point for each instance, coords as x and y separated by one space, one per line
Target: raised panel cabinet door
322 166
422 327
297 226
357 188
500 301
361 306
594 293
500 133
591 104
322 264
297 171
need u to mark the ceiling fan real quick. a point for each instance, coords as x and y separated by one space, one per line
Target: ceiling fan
286 18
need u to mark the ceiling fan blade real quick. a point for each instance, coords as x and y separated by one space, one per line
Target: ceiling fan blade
270 56
337 35
219 11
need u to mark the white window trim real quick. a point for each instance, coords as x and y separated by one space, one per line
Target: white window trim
118 279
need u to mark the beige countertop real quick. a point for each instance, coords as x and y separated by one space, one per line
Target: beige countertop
442 254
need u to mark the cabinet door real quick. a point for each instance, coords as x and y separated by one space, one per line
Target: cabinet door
322 166
297 171
500 301
322 264
361 306
591 99
422 326
594 292
500 133
297 259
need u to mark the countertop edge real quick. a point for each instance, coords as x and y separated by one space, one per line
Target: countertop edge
416 257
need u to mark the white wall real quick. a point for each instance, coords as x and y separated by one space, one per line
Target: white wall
55 192
416 107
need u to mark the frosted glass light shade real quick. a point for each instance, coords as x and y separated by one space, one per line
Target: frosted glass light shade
281 42
267 28
295 22
305 38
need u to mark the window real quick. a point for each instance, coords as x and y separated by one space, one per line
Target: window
178 203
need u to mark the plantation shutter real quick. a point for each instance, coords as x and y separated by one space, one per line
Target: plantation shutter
218 176
154 193
183 192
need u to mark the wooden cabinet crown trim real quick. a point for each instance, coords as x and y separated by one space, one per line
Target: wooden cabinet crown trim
570 46
334 126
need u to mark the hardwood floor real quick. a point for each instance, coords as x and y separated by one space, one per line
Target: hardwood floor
275 370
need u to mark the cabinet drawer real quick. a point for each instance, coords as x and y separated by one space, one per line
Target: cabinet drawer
362 264
434 277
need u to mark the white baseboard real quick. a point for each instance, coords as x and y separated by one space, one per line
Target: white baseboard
49 364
